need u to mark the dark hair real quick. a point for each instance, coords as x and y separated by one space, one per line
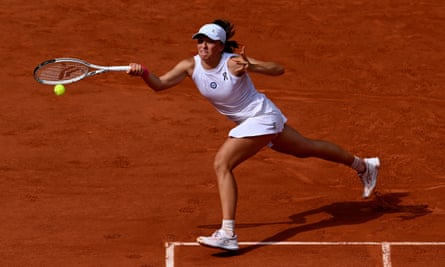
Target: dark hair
229 45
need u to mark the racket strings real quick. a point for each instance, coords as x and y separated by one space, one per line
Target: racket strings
61 71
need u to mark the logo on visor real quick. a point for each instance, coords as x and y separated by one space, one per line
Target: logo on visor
213 85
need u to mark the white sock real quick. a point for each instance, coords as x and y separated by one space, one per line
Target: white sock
229 227
358 164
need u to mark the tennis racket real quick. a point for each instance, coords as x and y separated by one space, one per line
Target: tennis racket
69 70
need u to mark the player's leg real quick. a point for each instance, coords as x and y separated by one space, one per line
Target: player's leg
233 152
289 141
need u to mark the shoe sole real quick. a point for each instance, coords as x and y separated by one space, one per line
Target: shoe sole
214 246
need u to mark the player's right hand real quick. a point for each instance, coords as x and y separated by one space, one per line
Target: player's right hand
135 69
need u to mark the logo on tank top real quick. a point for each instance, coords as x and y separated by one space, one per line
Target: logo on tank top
213 85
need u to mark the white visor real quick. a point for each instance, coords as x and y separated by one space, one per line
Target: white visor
213 31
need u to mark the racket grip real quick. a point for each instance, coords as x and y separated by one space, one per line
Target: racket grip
118 68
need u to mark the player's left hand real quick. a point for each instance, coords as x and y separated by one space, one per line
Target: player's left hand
242 61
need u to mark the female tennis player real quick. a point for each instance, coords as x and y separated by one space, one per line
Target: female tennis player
223 78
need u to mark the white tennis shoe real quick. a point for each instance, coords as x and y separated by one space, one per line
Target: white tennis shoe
219 239
369 176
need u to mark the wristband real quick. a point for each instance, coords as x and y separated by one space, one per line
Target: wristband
145 75
145 72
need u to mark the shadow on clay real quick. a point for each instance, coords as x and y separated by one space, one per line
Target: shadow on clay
342 213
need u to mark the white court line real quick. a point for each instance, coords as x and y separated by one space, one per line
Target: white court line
386 247
386 254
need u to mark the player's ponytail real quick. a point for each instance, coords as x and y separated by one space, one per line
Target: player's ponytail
229 45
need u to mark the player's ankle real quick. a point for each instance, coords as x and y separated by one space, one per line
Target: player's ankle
228 226
358 164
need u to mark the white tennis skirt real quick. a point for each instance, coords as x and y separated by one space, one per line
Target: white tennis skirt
264 124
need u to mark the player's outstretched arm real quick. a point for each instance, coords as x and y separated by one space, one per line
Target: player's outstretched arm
173 77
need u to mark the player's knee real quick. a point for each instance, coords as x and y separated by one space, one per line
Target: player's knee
305 150
311 148
301 150
220 165
301 153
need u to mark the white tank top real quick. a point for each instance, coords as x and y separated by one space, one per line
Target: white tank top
234 97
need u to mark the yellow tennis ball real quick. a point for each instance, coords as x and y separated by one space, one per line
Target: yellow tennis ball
59 89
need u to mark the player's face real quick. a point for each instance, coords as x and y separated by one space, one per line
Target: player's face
208 48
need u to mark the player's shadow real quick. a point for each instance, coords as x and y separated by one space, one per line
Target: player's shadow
342 213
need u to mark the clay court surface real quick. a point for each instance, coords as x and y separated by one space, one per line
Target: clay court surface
110 172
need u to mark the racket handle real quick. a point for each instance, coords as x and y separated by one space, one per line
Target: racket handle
118 68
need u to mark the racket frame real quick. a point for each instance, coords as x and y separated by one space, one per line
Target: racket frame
93 70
